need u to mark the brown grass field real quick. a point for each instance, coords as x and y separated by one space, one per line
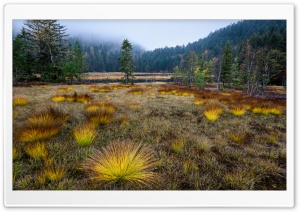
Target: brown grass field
146 137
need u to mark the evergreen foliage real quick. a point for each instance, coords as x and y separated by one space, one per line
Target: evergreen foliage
126 62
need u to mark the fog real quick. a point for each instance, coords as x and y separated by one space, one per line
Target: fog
150 34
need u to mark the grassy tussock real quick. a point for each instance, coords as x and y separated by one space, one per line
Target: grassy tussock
267 108
55 172
237 137
213 110
97 118
58 98
237 110
104 106
36 150
122 163
208 159
84 135
136 91
29 132
103 89
177 146
65 89
20 101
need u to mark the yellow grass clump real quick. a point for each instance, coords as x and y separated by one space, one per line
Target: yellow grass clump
177 145
55 172
198 102
265 110
64 90
101 106
237 137
124 121
15 153
99 117
136 91
84 135
20 101
48 116
58 98
104 89
94 88
213 110
36 150
37 132
152 94
238 110
122 163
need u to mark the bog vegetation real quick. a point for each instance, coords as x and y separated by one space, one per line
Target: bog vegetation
219 125
180 138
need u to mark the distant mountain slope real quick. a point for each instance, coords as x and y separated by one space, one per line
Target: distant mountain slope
104 56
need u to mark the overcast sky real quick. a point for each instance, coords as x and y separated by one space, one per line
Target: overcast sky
150 34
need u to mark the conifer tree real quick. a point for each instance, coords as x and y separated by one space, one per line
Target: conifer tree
126 61
226 64
48 45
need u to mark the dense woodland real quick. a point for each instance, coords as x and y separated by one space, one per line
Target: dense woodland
249 53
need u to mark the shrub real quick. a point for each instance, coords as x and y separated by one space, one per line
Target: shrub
84 135
20 101
122 163
36 150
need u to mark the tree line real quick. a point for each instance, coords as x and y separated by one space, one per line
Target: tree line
249 54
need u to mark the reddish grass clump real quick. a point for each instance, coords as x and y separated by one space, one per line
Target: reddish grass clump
20 101
136 91
48 116
123 163
37 132
99 117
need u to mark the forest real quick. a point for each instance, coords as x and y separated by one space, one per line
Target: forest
232 55
216 119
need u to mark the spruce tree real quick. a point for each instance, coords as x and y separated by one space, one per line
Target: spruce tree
126 61
48 45
226 64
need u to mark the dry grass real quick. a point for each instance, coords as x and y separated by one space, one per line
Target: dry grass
20 101
122 163
192 153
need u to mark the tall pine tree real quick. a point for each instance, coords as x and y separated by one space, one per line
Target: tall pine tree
48 45
126 61
226 64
